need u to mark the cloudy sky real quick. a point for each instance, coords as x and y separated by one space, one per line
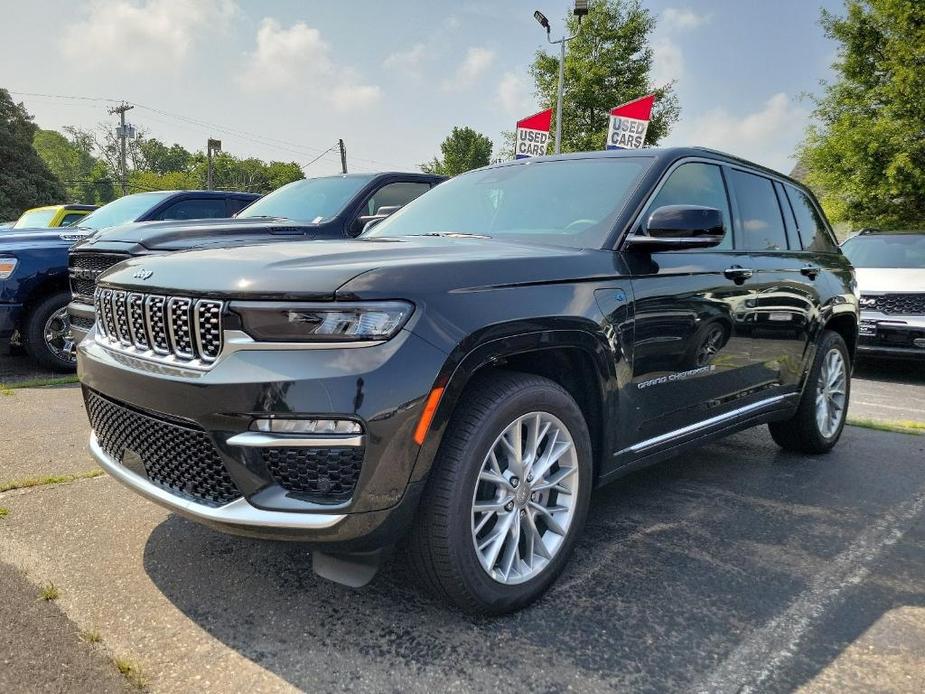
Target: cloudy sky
283 79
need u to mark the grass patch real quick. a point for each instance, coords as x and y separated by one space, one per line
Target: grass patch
49 592
8 388
49 479
903 426
4 512
131 671
91 635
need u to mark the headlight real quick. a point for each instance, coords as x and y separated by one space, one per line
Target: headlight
7 265
323 322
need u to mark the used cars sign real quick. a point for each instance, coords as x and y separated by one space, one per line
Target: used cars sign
533 135
629 122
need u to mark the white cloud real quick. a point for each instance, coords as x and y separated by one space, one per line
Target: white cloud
298 59
408 61
667 61
674 18
473 66
153 35
514 95
767 136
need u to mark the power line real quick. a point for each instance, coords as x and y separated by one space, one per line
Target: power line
254 138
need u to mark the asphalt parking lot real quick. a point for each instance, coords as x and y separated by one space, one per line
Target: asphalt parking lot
736 568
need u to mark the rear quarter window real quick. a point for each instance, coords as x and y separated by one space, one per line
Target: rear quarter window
812 229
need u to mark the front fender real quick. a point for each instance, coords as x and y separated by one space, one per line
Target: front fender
489 347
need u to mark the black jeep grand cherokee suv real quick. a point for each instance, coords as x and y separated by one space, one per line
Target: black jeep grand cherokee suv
464 374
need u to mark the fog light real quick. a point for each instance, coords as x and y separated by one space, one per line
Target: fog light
277 425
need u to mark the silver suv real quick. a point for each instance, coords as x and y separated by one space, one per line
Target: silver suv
890 269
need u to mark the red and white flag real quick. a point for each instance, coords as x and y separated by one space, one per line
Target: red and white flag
629 122
532 136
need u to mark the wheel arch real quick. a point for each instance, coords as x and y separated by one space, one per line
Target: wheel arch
38 291
846 325
571 358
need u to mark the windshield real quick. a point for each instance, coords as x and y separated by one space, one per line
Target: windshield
313 200
34 219
572 202
122 211
906 251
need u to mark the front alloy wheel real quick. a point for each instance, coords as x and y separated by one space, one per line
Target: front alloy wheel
525 498
506 496
830 393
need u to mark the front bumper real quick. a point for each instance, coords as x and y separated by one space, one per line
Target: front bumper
10 315
383 387
891 336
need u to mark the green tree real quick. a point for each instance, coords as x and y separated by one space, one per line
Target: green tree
864 152
464 149
160 159
85 178
607 64
25 180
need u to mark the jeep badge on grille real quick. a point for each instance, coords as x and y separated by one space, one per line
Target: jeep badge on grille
142 274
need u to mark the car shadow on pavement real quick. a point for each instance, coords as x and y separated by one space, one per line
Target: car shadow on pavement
906 371
678 567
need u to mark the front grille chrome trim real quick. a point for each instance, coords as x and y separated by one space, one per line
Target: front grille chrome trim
259 439
173 330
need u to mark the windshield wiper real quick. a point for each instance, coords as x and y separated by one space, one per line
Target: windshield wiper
455 234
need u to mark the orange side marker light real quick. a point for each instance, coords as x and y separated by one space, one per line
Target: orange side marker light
430 408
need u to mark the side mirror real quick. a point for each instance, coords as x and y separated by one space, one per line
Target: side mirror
675 227
368 221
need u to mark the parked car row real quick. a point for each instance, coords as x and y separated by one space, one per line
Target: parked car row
457 378
34 291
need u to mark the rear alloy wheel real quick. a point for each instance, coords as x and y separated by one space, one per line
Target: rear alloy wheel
47 334
507 495
820 417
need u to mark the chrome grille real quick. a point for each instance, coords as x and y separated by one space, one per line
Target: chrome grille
170 329
85 267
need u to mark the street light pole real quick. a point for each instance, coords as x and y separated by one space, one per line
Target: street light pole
581 9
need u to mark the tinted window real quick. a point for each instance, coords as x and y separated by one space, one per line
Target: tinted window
696 184
195 208
235 205
886 250
313 200
35 219
395 194
124 210
572 202
762 225
810 226
71 217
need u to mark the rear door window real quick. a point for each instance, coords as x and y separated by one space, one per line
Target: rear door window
392 194
695 183
761 223
811 227
195 208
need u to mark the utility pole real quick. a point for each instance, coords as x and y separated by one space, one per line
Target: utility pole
343 156
212 145
122 131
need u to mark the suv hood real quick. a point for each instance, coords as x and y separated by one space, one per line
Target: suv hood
890 279
24 239
174 235
317 269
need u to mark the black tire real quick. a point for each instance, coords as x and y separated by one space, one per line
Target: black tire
801 433
440 548
33 334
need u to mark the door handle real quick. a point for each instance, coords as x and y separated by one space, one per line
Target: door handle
737 273
810 271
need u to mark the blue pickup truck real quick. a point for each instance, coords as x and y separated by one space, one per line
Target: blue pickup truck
34 291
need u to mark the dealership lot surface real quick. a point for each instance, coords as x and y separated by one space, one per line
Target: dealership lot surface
737 564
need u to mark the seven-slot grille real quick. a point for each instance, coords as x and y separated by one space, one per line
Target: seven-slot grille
172 328
176 456
86 267
898 304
